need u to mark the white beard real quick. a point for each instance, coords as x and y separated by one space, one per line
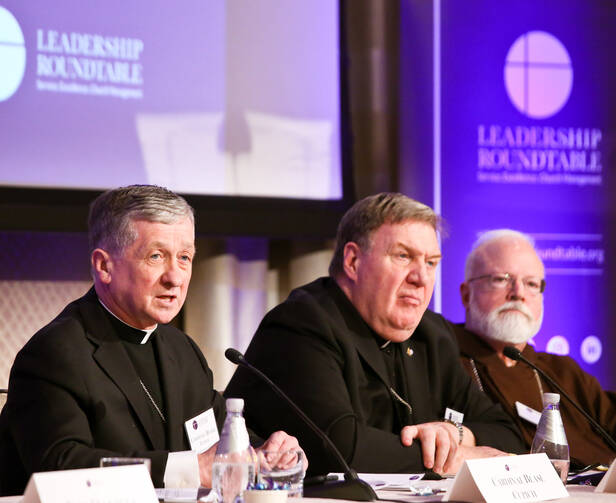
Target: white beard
512 327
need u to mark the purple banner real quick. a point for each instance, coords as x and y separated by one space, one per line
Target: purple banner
527 112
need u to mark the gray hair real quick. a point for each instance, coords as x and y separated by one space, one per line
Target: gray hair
113 212
368 214
490 237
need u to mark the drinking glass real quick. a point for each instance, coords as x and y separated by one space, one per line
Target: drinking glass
282 470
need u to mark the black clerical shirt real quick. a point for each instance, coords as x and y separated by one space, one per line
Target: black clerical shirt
144 357
393 358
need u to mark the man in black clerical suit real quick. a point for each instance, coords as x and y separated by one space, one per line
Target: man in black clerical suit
108 377
359 353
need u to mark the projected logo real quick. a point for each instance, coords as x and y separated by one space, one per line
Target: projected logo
558 345
12 55
538 74
591 349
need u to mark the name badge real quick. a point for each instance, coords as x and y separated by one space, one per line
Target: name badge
528 413
202 431
454 415
507 479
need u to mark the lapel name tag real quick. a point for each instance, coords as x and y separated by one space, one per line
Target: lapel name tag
530 477
454 415
202 431
114 484
528 413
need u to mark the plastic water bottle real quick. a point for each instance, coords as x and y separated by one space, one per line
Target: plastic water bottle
550 436
234 463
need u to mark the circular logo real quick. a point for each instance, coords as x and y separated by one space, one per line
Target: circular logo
591 349
12 55
558 345
538 74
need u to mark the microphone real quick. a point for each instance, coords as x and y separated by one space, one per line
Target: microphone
352 487
515 354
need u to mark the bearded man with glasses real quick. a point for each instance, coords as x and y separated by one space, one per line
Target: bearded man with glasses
503 296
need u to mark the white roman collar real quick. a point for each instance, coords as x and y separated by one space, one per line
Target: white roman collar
146 332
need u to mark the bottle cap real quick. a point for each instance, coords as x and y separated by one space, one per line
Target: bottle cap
235 404
550 399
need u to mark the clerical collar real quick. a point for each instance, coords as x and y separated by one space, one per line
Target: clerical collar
146 333
384 344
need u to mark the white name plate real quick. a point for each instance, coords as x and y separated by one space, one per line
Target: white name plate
503 479
608 482
115 484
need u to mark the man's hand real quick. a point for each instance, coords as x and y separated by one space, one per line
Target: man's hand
471 452
206 460
438 444
279 441
480 451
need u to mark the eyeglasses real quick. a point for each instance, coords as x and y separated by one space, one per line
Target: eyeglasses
500 281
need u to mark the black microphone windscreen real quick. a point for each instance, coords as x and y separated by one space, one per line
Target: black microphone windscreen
234 356
511 352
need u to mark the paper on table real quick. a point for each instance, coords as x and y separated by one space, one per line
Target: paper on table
382 481
184 494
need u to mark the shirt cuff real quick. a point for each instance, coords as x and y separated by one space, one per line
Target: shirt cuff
182 470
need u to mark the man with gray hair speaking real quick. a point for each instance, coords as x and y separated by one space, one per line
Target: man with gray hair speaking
503 296
108 377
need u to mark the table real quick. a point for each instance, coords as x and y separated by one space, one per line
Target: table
577 494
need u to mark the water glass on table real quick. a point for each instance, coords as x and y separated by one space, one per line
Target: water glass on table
282 470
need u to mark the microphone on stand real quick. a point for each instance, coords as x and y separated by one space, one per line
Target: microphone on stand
515 354
352 487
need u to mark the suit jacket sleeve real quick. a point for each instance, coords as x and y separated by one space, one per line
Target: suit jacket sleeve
487 420
57 414
65 412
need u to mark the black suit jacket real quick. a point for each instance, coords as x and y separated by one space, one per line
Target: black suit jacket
75 397
316 346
